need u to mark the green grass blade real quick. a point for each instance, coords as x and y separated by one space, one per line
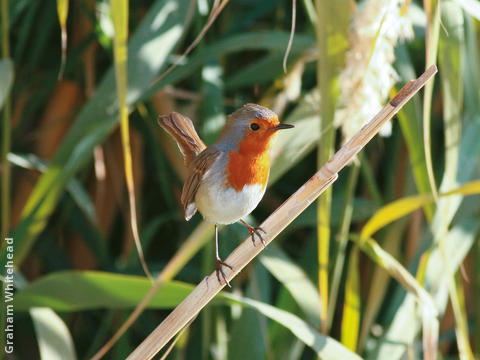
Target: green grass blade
427 307
392 212
403 328
222 337
120 24
83 290
332 28
409 120
149 48
457 298
62 12
74 187
325 347
342 243
450 59
53 337
248 339
432 8
352 305
399 208
295 281
471 75
380 281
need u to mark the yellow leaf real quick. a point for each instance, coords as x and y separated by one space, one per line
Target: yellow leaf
62 12
470 188
405 206
392 212
351 307
120 24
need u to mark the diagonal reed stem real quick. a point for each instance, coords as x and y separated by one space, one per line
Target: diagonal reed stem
275 223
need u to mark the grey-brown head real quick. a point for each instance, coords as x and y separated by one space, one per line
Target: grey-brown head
251 119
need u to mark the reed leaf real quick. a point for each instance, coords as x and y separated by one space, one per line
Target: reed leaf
432 10
324 346
403 328
332 27
62 12
450 58
54 339
405 206
352 304
457 298
295 281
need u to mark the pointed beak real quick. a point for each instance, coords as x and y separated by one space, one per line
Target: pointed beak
283 126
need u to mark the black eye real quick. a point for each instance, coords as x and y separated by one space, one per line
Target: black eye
254 126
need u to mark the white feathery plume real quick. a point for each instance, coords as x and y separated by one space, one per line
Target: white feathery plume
369 75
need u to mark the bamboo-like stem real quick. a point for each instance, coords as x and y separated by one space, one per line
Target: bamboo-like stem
333 24
431 44
275 223
342 243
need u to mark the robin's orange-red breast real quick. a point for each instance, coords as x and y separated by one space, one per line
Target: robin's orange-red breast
227 179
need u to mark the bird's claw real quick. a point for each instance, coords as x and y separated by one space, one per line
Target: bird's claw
256 231
220 271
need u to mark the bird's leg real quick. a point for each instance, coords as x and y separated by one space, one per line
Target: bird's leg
219 262
255 231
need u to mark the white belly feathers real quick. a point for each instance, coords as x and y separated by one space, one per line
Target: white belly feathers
223 205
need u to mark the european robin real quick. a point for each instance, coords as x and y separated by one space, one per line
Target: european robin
226 180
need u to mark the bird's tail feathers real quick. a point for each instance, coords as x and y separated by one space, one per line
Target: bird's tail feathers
182 130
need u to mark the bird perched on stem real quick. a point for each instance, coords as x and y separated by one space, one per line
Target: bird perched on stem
227 179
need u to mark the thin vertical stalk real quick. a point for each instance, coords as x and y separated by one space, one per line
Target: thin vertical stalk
120 22
62 12
351 305
342 241
457 298
332 27
369 178
432 9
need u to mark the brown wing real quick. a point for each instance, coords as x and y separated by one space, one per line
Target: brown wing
182 130
197 169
